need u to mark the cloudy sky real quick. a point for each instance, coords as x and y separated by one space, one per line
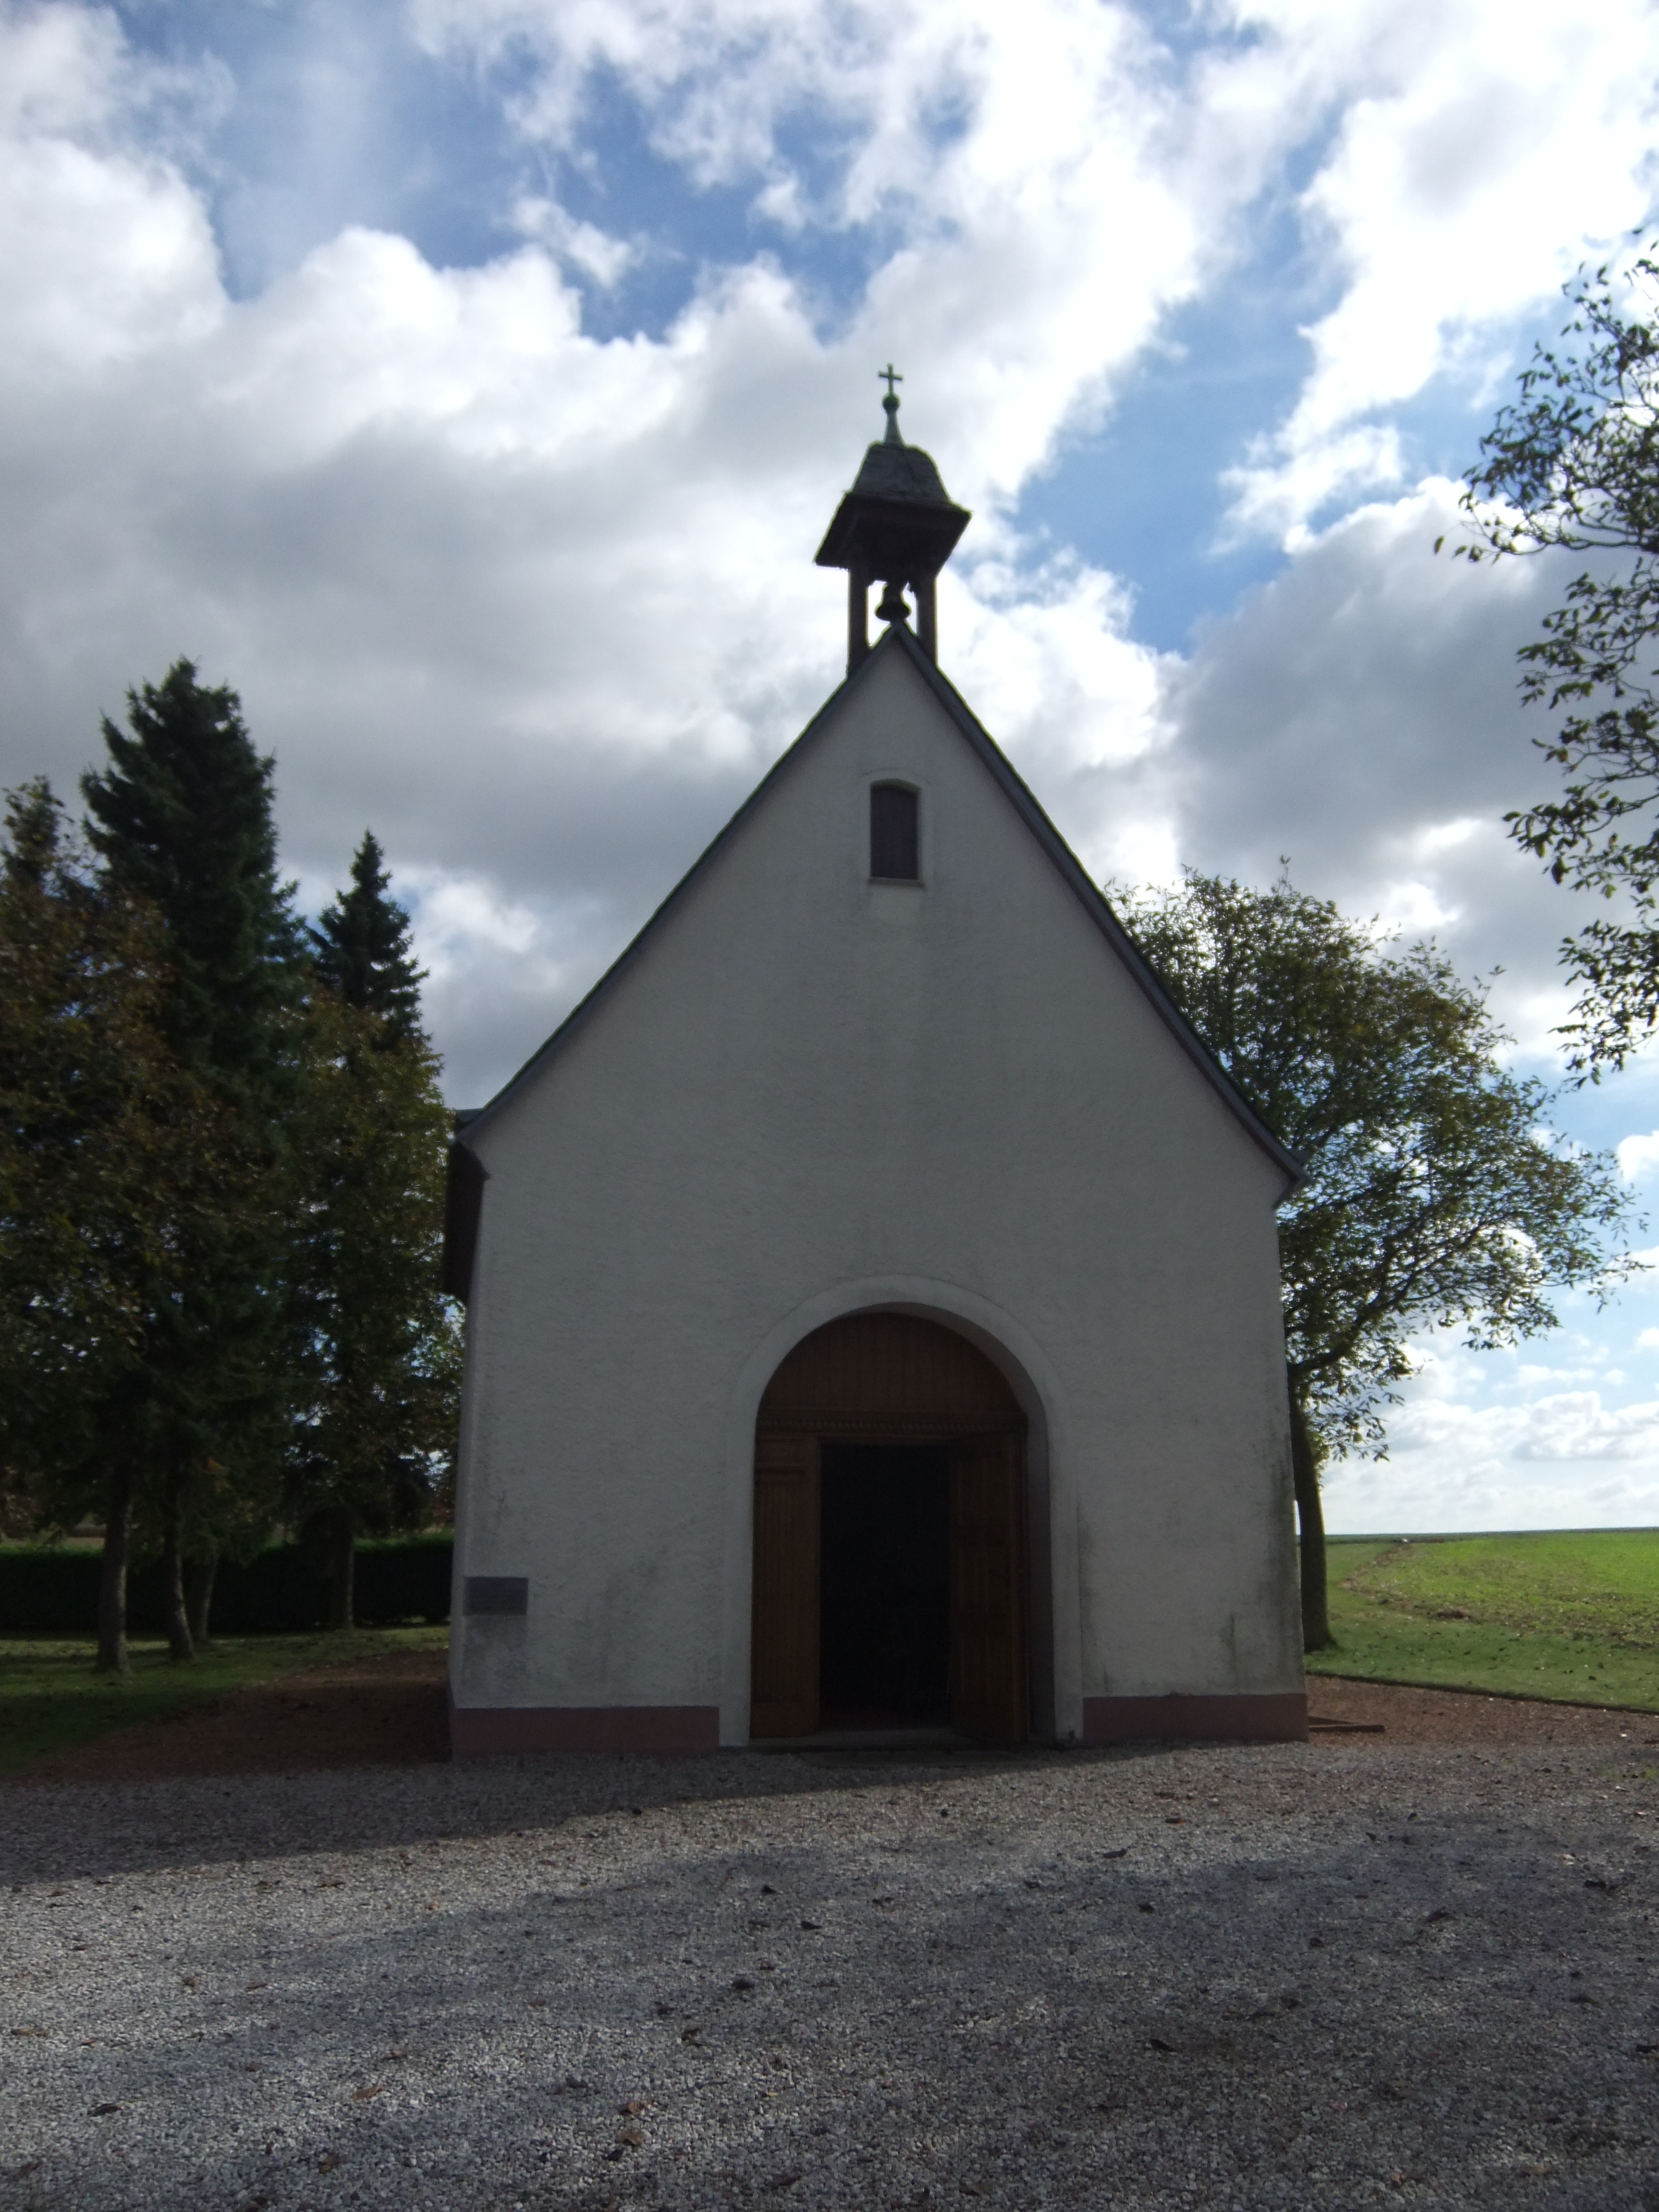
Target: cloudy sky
469 382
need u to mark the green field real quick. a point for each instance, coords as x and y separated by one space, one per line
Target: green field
1572 1617
50 1700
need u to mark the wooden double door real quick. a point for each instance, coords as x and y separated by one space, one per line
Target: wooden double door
890 1564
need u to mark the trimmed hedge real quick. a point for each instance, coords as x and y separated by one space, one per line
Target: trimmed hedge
397 1579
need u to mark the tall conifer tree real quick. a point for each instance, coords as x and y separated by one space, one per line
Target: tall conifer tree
362 948
182 818
379 1349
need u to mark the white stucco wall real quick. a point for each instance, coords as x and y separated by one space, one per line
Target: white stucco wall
810 1093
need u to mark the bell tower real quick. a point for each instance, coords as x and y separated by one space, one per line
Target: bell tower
896 526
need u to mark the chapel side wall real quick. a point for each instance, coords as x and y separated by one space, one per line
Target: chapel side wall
809 1081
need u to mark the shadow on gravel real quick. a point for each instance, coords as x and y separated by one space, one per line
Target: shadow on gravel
997 1984
68 1830
357 1757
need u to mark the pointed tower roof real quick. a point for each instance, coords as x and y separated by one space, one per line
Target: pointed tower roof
898 523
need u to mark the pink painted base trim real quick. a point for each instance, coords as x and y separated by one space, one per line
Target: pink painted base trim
1264 1716
482 1731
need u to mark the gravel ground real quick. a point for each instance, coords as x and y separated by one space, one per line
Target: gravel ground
1348 1974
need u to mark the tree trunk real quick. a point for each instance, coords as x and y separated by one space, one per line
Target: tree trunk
198 1595
179 1643
1311 1519
113 1658
342 1564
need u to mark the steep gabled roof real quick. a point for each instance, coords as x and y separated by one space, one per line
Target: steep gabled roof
1093 902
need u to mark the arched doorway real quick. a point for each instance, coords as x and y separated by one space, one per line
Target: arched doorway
890 1537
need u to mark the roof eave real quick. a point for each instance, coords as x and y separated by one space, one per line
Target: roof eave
934 530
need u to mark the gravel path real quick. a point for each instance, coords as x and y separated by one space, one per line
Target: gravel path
1323 1975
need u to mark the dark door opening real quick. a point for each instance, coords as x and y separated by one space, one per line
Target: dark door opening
885 1627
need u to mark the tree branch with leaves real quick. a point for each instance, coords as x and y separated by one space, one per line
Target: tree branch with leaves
1573 465
1437 1196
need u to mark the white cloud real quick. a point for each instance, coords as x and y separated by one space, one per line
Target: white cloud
1469 156
1043 222
59 70
104 255
1358 715
1430 1496
1576 1426
1638 1156
1483 151
595 252
1565 1459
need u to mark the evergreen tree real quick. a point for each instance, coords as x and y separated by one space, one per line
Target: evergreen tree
362 948
378 1344
109 1151
378 1349
182 818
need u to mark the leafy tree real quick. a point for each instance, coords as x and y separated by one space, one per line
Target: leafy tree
1433 1197
378 1351
363 948
107 1157
1574 464
182 818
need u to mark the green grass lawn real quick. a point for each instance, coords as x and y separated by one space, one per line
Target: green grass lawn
1572 1617
50 1697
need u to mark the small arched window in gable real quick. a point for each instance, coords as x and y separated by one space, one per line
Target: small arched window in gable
895 833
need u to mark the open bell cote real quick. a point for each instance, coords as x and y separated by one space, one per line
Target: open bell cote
897 526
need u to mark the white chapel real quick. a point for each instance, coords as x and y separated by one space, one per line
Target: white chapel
873 1299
